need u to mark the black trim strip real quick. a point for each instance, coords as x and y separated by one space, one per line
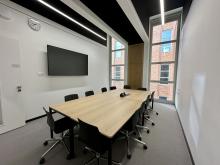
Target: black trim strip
35 118
190 153
44 11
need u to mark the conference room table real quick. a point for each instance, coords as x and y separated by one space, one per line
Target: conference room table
107 111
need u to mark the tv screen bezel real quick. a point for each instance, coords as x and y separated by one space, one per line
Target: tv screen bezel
48 63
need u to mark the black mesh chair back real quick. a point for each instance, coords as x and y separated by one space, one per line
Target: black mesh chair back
89 93
127 87
148 100
132 122
104 89
142 89
113 88
71 97
92 138
142 108
152 95
152 99
50 120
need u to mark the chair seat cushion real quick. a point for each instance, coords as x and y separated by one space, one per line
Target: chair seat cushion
63 124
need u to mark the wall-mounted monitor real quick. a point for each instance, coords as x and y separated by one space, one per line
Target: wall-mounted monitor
62 62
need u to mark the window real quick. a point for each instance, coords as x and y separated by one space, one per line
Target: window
117 72
163 55
163 98
166 36
164 73
118 55
117 63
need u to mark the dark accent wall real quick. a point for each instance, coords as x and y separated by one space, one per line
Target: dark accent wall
186 8
37 7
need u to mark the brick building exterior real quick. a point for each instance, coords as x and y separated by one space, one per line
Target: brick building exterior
118 64
163 72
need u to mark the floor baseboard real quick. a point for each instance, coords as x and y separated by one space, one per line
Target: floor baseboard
29 120
35 118
190 153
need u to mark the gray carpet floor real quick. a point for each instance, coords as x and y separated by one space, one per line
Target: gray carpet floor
166 144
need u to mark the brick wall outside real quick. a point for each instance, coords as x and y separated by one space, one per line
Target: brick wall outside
165 90
117 60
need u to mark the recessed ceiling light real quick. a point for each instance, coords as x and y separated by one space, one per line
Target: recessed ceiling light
70 18
162 12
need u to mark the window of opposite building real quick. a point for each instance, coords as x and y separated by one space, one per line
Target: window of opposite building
117 63
117 72
163 98
164 40
164 73
166 36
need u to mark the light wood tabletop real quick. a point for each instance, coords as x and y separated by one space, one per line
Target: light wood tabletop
107 111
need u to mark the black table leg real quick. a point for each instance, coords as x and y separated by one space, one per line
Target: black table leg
51 131
110 155
71 140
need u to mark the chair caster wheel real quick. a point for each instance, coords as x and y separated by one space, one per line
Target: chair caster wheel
42 161
157 113
148 117
139 138
45 143
70 156
85 151
153 124
134 133
129 156
148 131
145 147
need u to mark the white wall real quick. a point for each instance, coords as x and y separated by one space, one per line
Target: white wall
38 89
198 86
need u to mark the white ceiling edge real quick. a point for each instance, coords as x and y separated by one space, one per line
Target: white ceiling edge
84 11
129 10
180 9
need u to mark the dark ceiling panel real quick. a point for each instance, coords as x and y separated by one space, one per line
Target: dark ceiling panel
148 8
37 7
112 14
186 7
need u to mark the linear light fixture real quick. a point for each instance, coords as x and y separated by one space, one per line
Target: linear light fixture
71 19
162 12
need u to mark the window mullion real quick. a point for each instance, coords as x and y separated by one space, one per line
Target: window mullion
118 64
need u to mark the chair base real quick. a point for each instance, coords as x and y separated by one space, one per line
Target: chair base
147 117
97 156
127 137
152 110
141 127
56 142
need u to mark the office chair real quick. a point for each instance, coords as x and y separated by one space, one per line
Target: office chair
152 102
129 129
142 89
71 97
104 89
127 87
140 124
89 93
113 88
58 127
95 142
146 112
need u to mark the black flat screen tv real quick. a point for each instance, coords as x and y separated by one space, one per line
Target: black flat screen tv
62 62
